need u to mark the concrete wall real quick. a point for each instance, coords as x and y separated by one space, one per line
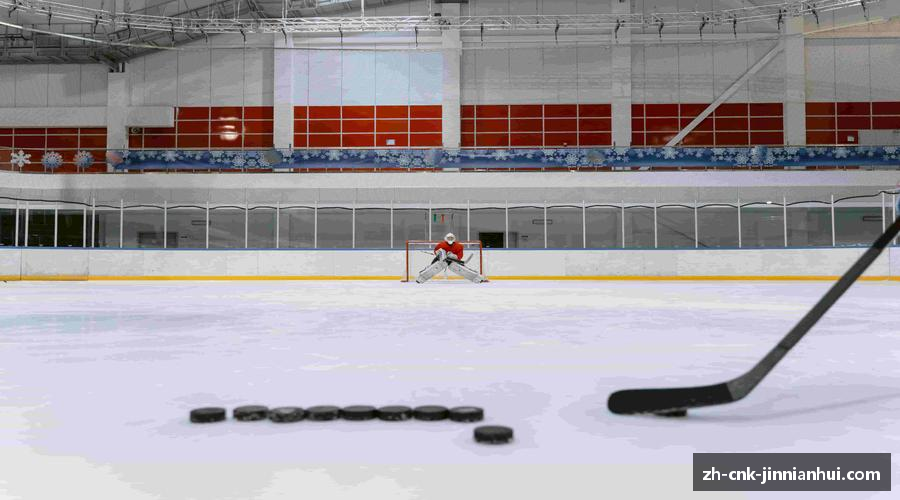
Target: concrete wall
388 264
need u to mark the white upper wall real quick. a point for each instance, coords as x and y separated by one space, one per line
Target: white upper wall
358 78
852 70
228 74
43 85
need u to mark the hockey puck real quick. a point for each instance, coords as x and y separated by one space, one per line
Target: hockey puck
395 413
493 434
207 415
287 414
323 413
358 413
250 413
466 414
431 413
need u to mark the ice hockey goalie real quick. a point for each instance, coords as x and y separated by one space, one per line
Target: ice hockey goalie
448 254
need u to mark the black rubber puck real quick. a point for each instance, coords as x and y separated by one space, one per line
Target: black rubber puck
466 414
395 413
493 434
250 413
358 413
207 415
287 414
431 413
323 413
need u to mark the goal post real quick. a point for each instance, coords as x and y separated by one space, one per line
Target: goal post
420 253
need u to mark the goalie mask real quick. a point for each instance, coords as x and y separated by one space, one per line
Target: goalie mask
450 238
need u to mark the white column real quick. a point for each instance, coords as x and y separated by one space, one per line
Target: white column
27 216
833 227
506 225
206 232
452 86
795 83
545 223
93 222
283 92
621 81
583 224
165 224
16 227
784 219
118 99
121 223
84 226
696 225
468 220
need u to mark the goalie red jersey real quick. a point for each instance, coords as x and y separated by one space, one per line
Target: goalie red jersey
455 248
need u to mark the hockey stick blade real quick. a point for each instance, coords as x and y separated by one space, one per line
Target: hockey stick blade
676 401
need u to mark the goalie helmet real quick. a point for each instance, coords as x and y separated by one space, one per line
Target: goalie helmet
450 238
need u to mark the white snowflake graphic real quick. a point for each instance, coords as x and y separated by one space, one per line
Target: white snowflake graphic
170 156
52 160
500 155
20 159
83 159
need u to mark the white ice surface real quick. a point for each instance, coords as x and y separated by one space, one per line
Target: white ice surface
96 381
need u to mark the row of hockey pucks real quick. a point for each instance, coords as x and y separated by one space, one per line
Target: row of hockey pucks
288 414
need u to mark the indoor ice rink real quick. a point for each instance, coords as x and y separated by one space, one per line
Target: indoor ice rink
521 206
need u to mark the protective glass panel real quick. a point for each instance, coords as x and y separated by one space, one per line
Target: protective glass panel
373 228
261 227
675 227
489 226
639 227
410 224
564 228
106 228
857 226
604 227
526 227
296 227
7 227
143 228
70 227
226 227
335 227
762 227
718 227
188 225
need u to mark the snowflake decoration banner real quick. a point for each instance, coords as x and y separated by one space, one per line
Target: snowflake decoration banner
487 159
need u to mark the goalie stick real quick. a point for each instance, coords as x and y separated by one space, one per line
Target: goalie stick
676 401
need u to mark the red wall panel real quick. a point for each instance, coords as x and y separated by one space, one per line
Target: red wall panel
425 112
425 140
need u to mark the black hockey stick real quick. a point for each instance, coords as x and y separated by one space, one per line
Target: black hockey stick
676 401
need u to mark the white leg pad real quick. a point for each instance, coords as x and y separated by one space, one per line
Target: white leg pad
431 271
467 273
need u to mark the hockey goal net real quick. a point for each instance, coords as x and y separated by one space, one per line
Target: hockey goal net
420 254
